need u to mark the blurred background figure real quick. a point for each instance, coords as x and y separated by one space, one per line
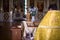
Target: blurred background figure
33 11
52 7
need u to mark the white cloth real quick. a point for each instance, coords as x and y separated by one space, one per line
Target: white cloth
28 29
33 18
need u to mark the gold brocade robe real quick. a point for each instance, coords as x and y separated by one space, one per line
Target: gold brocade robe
49 28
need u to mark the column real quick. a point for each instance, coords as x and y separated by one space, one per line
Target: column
1 11
10 11
58 4
1 6
6 10
25 6
48 4
10 5
44 10
35 3
28 3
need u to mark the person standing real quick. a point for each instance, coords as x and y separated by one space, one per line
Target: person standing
33 11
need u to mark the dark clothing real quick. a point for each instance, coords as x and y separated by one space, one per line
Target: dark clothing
53 7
